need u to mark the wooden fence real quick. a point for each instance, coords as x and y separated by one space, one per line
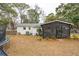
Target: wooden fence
11 32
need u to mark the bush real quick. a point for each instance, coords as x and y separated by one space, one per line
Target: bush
39 31
75 36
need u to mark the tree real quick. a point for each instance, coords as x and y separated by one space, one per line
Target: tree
34 14
68 12
25 19
22 8
75 20
59 10
7 12
50 17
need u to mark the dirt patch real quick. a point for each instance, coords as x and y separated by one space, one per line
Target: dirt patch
21 45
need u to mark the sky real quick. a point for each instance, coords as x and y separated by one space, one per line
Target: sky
47 6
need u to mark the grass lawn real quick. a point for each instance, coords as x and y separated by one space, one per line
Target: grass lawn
21 45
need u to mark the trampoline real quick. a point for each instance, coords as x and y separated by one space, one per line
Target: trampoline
3 39
2 52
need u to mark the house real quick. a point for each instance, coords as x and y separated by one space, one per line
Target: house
28 29
56 29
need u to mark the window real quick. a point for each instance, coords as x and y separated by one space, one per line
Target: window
27 33
24 28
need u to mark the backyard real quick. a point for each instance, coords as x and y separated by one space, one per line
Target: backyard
22 45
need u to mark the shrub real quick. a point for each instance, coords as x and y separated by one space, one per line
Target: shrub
75 36
39 31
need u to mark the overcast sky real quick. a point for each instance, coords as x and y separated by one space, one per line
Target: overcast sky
47 6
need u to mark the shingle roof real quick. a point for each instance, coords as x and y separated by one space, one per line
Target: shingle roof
28 25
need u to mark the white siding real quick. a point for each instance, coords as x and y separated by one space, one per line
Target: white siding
21 30
31 30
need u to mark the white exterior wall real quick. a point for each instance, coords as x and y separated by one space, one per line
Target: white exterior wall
31 30
21 30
